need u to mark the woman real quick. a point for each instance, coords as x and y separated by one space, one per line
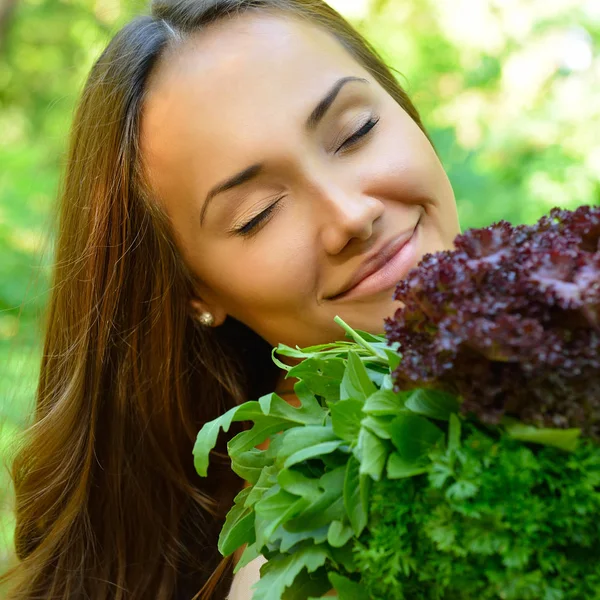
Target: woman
235 168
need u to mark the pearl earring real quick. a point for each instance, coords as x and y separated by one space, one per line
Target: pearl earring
206 319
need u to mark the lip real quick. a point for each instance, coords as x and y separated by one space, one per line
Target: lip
385 268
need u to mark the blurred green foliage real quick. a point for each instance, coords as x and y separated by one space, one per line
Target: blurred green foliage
507 88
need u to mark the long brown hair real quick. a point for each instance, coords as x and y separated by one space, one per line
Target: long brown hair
107 501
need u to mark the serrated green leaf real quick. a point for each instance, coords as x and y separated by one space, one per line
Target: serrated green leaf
339 533
346 588
439 474
356 493
399 468
207 436
327 506
461 489
275 415
262 429
274 510
322 376
344 557
312 452
345 418
385 402
289 539
308 585
434 404
249 465
373 453
355 382
414 436
295 483
280 572
274 503
306 396
239 526
267 479
309 412
299 438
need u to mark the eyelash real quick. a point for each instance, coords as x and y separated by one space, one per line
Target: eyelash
252 226
360 133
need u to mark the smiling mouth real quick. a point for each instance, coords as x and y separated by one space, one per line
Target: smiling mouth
386 269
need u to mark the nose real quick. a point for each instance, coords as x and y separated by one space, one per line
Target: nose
344 214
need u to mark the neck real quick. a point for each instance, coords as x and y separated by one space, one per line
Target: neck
285 388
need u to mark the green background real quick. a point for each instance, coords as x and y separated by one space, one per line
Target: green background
509 90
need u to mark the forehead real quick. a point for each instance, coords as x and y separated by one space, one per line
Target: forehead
234 83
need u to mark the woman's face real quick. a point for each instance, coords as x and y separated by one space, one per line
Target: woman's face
284 167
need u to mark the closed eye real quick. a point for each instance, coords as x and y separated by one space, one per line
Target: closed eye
252 226
359 134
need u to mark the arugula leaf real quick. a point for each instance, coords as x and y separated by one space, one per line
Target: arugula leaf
399 467
346 588
385 402
434 404
345 418
299 438
372 453
207 437
312 452
380 426
263 428
277 416
356 493
339 533
321 376
309 412
565 439
295 483
308 585
328 505
280 572
394 358
249 465
267 479
239 526
414 436
276 507
289 539
355 382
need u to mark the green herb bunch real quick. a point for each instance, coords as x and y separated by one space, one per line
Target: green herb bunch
456 459
397 495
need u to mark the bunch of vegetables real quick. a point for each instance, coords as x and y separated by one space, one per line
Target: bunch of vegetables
455 458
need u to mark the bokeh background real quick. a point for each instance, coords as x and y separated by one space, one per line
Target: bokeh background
509 90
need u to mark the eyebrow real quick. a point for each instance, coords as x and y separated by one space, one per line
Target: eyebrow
249 173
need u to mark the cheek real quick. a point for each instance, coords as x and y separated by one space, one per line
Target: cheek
273 269
402 163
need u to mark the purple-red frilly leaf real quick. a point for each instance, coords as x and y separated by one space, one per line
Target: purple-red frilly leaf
510 321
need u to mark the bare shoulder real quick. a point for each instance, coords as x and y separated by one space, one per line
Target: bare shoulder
244 579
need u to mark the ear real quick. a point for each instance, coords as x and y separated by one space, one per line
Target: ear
199 306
